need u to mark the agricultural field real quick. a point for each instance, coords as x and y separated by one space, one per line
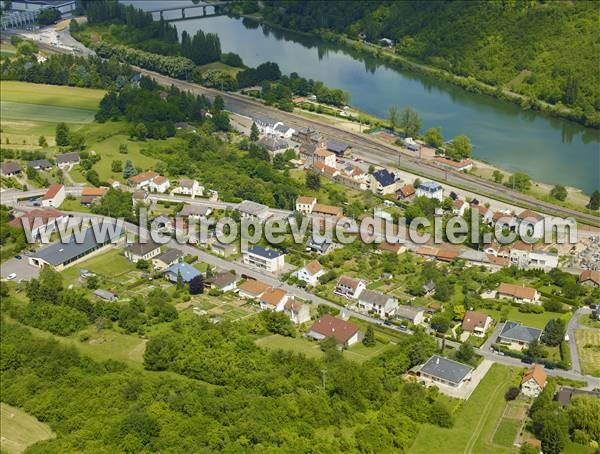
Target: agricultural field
476 421
529 319
20 430
588 346
226 306
51 95
35 112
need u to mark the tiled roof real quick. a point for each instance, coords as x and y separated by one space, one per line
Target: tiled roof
590 275
94 192
474 320
516 331
517 291
52 191
313 267
253 287
273 296
45 215
305 200
330 326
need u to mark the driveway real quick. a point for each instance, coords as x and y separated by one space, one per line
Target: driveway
571 327
21 268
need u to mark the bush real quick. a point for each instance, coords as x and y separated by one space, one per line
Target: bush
512 393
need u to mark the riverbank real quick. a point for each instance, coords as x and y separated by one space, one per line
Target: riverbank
470 84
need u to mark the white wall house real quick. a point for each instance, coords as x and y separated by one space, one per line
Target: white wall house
305 205
349 287
188 187
310 273
159 184
55 196
383 305
297 312
264 258
431 190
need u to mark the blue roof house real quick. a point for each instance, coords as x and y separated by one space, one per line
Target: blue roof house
188 272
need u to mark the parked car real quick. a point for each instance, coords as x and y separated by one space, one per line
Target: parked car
11 276
18 257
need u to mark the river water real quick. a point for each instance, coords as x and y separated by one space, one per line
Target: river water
550 150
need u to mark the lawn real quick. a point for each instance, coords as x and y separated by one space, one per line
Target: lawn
219 66
529 319
20 430
297 344
111 264
360 353
51 95
588 347
475 421
74 205
506 432
37 112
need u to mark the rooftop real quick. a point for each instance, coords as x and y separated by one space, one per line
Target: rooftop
537 373
518 332
52 191
384 177
474 320
446 369
188 272
330 326
138 248
430 186
170 255
517 291
373 297
65 158
253 287
411 312
273 296
252 208
264 252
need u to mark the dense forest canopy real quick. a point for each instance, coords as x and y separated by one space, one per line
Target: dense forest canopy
545 50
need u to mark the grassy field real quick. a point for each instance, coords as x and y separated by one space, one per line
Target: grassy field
217 65
20 430
475 422
588 346
37 112
529 319
51 95
111 264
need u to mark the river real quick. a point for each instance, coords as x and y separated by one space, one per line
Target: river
550 150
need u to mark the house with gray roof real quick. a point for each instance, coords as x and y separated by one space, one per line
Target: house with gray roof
65 159
39 164
264 258
167 258
274 145
383 305
186 271
517 336
445 371
195 211
252 210
106 295
61 255
142 251
412 314
10 169
337 147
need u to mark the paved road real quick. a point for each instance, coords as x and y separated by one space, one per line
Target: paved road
571 327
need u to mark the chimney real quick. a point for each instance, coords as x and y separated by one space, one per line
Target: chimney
437 360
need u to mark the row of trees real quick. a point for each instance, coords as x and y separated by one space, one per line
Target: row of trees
201 48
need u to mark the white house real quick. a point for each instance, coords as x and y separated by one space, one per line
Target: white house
264 258
188 187
412 314
383 182
349 287
67 159
459 207
159 184
431 190
142 180
253 210
297 312
325 157
476 323
142 251
54 196
273 299
305 205
252 289
534 381
310 273
383 305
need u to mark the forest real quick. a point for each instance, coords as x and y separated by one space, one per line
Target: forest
545 50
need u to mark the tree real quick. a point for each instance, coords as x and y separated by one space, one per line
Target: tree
254 133
465 353
498 176
594 202
440 323
434 137
218 104
197 285
512 393
180 281
278 323
552 437
410 122
535 351
559 192
62 135
129 170
460 148
123 149
554 332
313 180
160 352
76 141
394 116
117 165
519 181
142 264
369 339
42 142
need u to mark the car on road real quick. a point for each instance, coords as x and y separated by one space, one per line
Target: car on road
18 257
549 366
11 276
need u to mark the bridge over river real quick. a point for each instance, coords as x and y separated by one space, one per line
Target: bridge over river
201 9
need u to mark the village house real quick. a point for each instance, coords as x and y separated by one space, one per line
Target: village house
519 253
310 273
167 258
327 210
114 183
461 166
283 131
159 184
482 211
531 223
517 336
338 148
518 293
542 260
297 311
188 187
195 211
371 301
325 157
319 244
427 252
344 333
139 197
142 180
383 182
274 300
412 314
591 278
89 196
39 164
54 196
274 145
406 192
67 159
40 223
142 251
459 207
349 287
308 136
305 205
445 371
186 271
225 249
264 258
476 323
565 395
253 210
106 295
534 381
225 281
328 171
393 248
431 190
252 289
10 169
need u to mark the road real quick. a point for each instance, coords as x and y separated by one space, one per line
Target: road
571 327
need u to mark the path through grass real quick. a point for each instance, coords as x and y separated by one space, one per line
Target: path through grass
20 430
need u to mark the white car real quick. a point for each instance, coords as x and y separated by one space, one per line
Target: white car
11 276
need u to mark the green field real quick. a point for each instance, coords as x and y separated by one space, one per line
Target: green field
588 346
475 422
36 112
20 430
506 432
529 319
111 264
51 95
